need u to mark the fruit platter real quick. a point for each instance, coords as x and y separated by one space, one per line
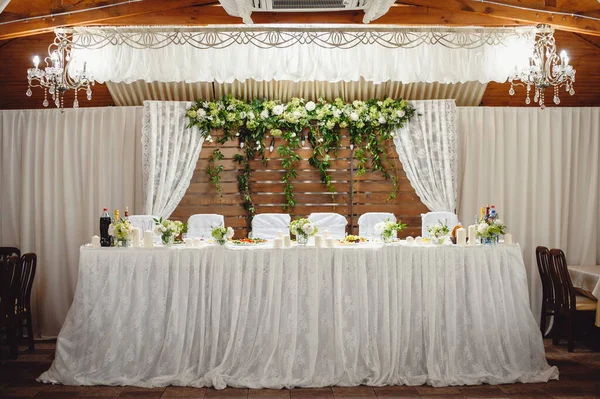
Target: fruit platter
249 241
352 240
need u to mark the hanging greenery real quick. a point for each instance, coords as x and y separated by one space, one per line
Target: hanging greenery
369 123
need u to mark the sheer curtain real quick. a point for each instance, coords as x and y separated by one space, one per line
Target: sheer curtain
170 152
59 169
426 146
541 170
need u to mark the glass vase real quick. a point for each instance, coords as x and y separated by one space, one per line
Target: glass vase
301 239
492 240
167 240
124 243
386 238
221 241
438 240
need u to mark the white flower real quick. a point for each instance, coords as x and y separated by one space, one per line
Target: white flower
229 233
320 139
250 115
382 120
379 228
400 113
308 228
293 135
498 222
243 115
310 106
111 230
200 114
392 134
380 103
205 104
337 113
278 109
354 116
264 114
209 138
482 228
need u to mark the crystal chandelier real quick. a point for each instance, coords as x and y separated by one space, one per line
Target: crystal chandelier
545 69
60 75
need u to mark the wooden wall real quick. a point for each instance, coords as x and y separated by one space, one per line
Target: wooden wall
355 195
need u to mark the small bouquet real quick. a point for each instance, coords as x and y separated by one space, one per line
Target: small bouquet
490 229
438 233
388 230
303 228
121 230
221 234
168 230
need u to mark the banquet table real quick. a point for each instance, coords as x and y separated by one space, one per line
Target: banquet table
265 317
587 279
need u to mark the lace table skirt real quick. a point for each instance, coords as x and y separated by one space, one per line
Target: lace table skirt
300 317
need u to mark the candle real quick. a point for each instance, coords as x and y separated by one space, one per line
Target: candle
278 243
410 240
326 234
148 239
461 237
418 241
508 239
279 234
96 242
318 241
189 242
197 241
329 242
135 237
287 242
472 234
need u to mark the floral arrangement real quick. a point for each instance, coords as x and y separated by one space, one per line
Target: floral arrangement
221 234
369 124
303 228
491 228
168 229
438 232
388 229
121 230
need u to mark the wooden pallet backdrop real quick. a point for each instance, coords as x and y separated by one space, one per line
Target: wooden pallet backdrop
355 195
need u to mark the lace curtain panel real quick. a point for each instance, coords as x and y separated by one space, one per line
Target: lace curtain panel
170 152
426 146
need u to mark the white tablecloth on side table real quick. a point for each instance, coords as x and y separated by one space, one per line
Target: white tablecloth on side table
587 278
300 317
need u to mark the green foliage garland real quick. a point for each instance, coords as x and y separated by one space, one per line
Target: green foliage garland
370 124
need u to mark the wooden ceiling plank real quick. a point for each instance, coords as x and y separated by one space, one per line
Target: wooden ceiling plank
566 23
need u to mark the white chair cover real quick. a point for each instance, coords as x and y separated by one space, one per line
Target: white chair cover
142 222
431 218
332 222
200 225
266 225
367 222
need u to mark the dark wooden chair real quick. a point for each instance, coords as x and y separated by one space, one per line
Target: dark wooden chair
569 305
10 268
542 255
5 252
23 300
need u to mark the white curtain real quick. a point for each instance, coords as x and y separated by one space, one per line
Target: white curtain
170 152
59 169
426 146
541 169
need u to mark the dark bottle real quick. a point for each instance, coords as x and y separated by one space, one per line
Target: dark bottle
105 221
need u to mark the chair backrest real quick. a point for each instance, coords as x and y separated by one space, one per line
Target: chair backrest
563 287
142 222
432 218
542 255
5 252
10 268
27 274
334 223
200 225
367 222
266 225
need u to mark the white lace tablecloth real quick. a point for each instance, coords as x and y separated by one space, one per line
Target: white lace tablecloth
587 278
300 317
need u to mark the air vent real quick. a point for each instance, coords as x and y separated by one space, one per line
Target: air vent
308 5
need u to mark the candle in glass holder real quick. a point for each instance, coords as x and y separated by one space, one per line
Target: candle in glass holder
410 240
418 241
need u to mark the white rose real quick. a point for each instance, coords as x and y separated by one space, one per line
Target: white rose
278 109
310 106
392 134
337 113
354 116
209 138
499 222
264 114
379 228
482 228
229 233
250 115
243 115
297 114
200 114
382 120
308 228
380 103
400 113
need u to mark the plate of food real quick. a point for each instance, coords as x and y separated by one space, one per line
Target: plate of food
352 240
249 241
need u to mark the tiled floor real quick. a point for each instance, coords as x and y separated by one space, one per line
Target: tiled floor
580 378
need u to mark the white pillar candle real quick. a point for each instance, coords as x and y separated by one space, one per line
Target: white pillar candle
410 240
461 237
318 241
96 242
472 234
418 241
326 234
329 242
287 242
508 239
135 237
278 242
148 239
280 234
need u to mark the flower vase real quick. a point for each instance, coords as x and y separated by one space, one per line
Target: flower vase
438 240
124 243
301 239
221 241
167 240
386 238
492 240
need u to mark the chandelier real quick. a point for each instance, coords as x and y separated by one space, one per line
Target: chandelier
60 75
545 69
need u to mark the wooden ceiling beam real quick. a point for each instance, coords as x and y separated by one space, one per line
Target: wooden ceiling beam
92 17
567 23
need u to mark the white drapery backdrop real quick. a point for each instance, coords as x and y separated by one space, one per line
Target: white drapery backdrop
541 170
59 169
170 152
426 146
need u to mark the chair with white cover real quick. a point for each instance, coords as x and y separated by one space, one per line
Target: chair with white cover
267 225
432 218
142 222
201 224
334 223
367 222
